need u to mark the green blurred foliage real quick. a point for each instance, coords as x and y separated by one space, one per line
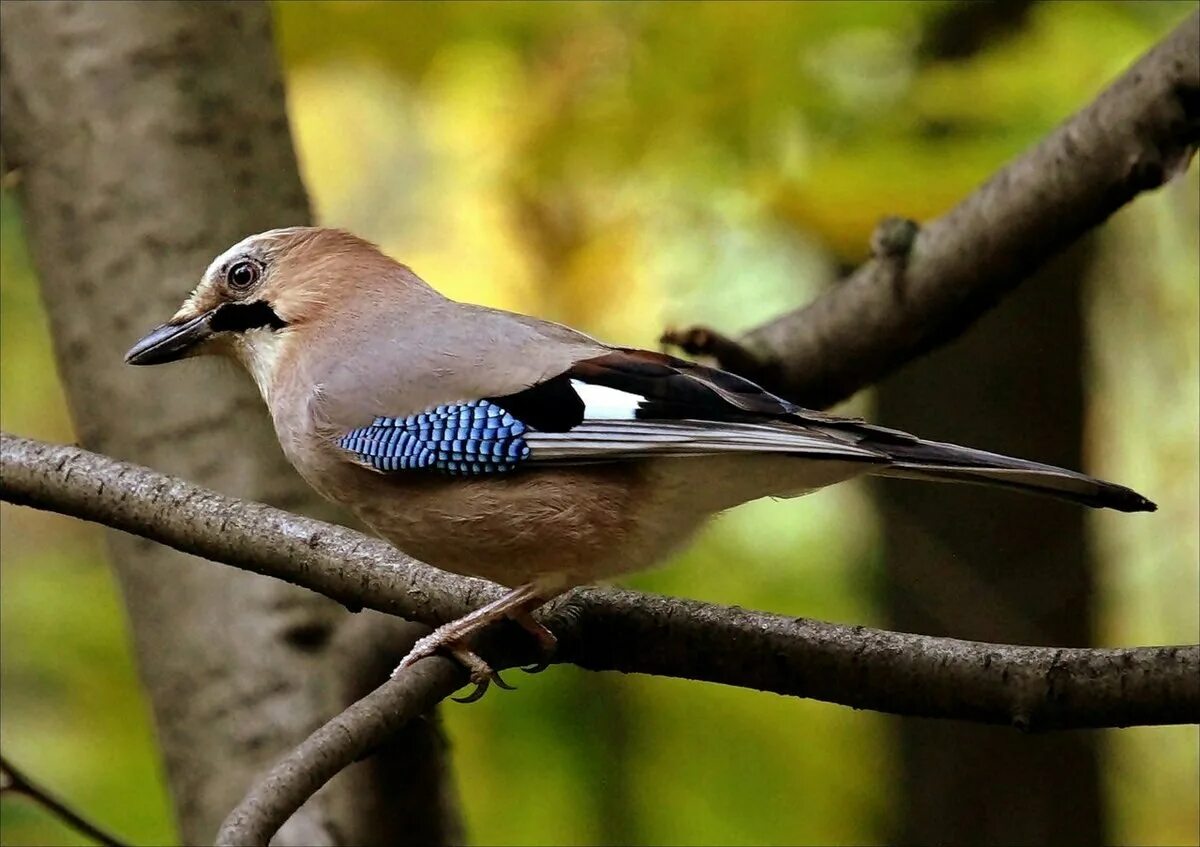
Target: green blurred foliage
622 167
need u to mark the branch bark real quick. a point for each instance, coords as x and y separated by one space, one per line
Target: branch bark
1032 688
915 296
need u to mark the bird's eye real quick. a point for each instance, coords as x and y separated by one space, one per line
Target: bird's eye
242 275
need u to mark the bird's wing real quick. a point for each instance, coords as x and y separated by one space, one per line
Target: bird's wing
619 405
634 403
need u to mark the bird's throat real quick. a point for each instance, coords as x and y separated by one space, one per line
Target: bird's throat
260 351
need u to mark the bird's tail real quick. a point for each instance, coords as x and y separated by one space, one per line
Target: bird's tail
933 460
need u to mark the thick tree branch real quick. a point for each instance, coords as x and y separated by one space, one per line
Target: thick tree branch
15 782
1036 688
1141 131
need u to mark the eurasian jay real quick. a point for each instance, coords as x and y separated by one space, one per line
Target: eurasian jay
515 449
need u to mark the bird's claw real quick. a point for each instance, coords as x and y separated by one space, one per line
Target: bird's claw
482 683
482 674
480 689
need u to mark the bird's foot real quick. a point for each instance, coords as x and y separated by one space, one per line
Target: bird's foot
455 638
451 639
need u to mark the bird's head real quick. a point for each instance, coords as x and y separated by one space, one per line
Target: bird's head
263 294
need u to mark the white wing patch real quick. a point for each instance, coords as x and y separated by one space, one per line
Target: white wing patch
601 403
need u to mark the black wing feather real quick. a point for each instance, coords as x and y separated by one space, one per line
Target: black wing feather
676 389
551 406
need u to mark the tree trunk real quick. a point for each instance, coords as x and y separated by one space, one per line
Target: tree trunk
990 565
148 138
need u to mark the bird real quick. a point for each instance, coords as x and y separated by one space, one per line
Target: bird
518 450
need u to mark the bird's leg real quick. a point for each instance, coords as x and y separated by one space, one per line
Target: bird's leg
454 637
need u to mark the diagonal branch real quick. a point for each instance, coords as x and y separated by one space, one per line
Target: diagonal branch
13 781
1037 688
924 290
350 736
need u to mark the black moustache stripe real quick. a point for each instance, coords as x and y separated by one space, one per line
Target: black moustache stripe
239 317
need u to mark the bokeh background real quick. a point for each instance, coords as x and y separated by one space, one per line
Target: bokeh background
624 167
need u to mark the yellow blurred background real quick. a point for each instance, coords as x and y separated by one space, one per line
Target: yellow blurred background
623 167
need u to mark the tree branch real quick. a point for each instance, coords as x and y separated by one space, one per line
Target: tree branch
1034 688
15 782
1141 131
348 737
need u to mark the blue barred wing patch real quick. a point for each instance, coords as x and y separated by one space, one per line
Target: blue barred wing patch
461 438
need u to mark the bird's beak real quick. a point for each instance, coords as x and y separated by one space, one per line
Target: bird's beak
171 341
